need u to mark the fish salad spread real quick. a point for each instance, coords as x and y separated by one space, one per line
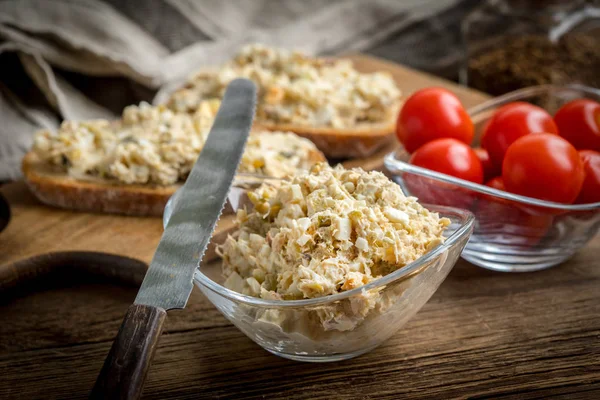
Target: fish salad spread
324 232
297 89
155 145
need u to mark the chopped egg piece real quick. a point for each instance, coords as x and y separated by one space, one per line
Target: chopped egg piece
395 215
344 228
304 223
362 244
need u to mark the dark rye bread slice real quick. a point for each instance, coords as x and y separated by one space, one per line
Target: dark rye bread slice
54 187
357 142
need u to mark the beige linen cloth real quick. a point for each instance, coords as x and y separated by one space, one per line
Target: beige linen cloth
82 59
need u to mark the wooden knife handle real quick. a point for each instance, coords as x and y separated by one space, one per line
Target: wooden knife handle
127 363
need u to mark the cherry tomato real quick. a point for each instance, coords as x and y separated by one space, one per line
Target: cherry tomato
430 114
432 191
489 169
511 122
501 220
579 122
590 191
498 216
543 166
496 183
451 157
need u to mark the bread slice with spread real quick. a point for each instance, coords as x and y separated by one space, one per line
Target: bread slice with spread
344 112
132 166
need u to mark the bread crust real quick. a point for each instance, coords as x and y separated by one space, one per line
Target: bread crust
57 189
358 142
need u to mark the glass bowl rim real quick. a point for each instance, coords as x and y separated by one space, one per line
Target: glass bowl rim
465 228
394 165
518 94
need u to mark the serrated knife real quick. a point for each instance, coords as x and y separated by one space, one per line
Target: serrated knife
168 281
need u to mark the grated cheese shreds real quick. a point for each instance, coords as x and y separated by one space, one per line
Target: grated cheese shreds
297 89
324 232
154 145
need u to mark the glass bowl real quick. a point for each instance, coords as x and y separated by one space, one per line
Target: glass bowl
512 233
343 325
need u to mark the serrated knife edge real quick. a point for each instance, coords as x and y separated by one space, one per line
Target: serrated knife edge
200 201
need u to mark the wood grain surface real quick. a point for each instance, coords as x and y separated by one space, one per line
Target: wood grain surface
482 335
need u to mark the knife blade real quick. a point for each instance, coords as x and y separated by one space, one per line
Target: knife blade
168 281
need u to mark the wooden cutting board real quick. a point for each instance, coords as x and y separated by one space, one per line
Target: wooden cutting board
483 334
36 229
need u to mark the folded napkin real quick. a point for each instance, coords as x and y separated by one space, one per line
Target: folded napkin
82 59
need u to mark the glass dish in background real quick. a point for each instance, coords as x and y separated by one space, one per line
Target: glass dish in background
512 233
333 328
514 44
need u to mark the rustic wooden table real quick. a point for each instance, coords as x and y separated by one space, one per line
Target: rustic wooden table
482 335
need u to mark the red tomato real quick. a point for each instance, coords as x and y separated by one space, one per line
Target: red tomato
497 216
451 157
511 122
579 122
430 114
489 169
496 183
504 221
590 191
432 191
543 166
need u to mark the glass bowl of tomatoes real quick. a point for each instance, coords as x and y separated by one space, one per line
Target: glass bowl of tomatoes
515 232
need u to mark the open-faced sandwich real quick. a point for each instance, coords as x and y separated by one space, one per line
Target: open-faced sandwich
344 112
133 165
